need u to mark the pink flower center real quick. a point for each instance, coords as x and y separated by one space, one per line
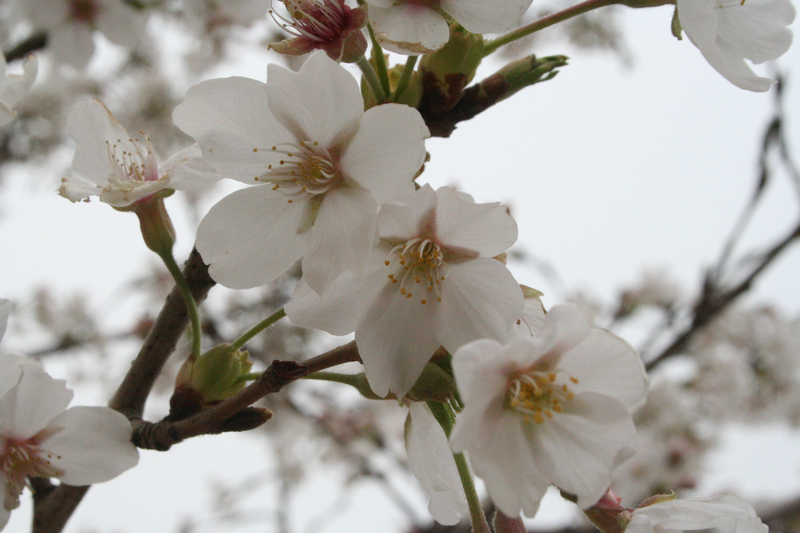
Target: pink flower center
132 161
19 460
418 265
306 170
321 22
537 394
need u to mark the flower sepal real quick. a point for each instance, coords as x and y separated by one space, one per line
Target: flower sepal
157 229
448 70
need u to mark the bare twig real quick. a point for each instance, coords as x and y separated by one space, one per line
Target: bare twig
32 43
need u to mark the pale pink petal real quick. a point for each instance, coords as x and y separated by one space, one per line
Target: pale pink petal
387 151
344 229
397 345
10 370
94 127
407 218
480 299
564 328
231 121
93 446
590 360
252 236
583 443
321 102
409 28
480 16
431 461
28 407
474 229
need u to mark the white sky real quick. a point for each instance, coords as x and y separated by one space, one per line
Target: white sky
607 170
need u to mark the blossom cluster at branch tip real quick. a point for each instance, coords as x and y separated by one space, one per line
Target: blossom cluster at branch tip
40 437
322 165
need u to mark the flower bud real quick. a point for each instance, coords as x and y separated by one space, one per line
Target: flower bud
215 375
447 71
433 385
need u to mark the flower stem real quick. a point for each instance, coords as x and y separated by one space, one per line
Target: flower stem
402 83
372 79
380 61
191 305
544 22
258 328
446 418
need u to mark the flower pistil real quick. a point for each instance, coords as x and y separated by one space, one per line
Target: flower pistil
417 261
537 394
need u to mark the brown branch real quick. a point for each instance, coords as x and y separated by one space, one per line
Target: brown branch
32 43
52 509
235 413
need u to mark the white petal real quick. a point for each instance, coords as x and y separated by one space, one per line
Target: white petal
431 461
28 407
409 28
483 229
564 328
251 237
387 151
397 345
584 443
231 121
480 299
188 171
480 16
93 447
726 512
77 190
94 127
406 219
344 230
321 102
130 191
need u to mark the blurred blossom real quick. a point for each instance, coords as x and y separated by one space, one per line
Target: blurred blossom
432 280
14 87
655 288
70 26
722 514
417 27
729 31
554 408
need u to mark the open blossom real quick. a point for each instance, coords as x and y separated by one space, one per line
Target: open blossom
70 26
119 168
729 31
431 281
417 26
39 437
13 87
323 166
554 408
723 514
329 25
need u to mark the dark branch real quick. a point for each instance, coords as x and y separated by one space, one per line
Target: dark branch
34 42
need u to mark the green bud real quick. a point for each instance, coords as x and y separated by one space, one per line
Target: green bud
448 70
433 385
410 96
216 374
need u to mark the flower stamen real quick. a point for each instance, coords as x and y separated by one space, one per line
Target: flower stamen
537 394
20 460
307 169
418 261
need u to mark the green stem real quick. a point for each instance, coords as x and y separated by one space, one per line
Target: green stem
544 22
372 79
446 418
402 83
258 328
380 61
191 305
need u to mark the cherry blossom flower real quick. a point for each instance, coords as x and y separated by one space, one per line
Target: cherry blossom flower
324 163
553 408
119 169
729 31
329 25
431 281
70 26
431 461
39 437
417 27
723 513
13 87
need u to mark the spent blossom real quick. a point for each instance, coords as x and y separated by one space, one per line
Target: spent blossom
729 31
432 280
553 408
13 87
418 27
40 437
322 165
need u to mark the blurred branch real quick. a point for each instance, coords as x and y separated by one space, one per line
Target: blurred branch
32 43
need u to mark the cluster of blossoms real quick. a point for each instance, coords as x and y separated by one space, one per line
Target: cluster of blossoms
40 437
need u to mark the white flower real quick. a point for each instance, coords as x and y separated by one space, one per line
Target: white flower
431 281
325 164
729 31
120 169
13 87
554 408
417 27
70 25
431 461
723 513
39 437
